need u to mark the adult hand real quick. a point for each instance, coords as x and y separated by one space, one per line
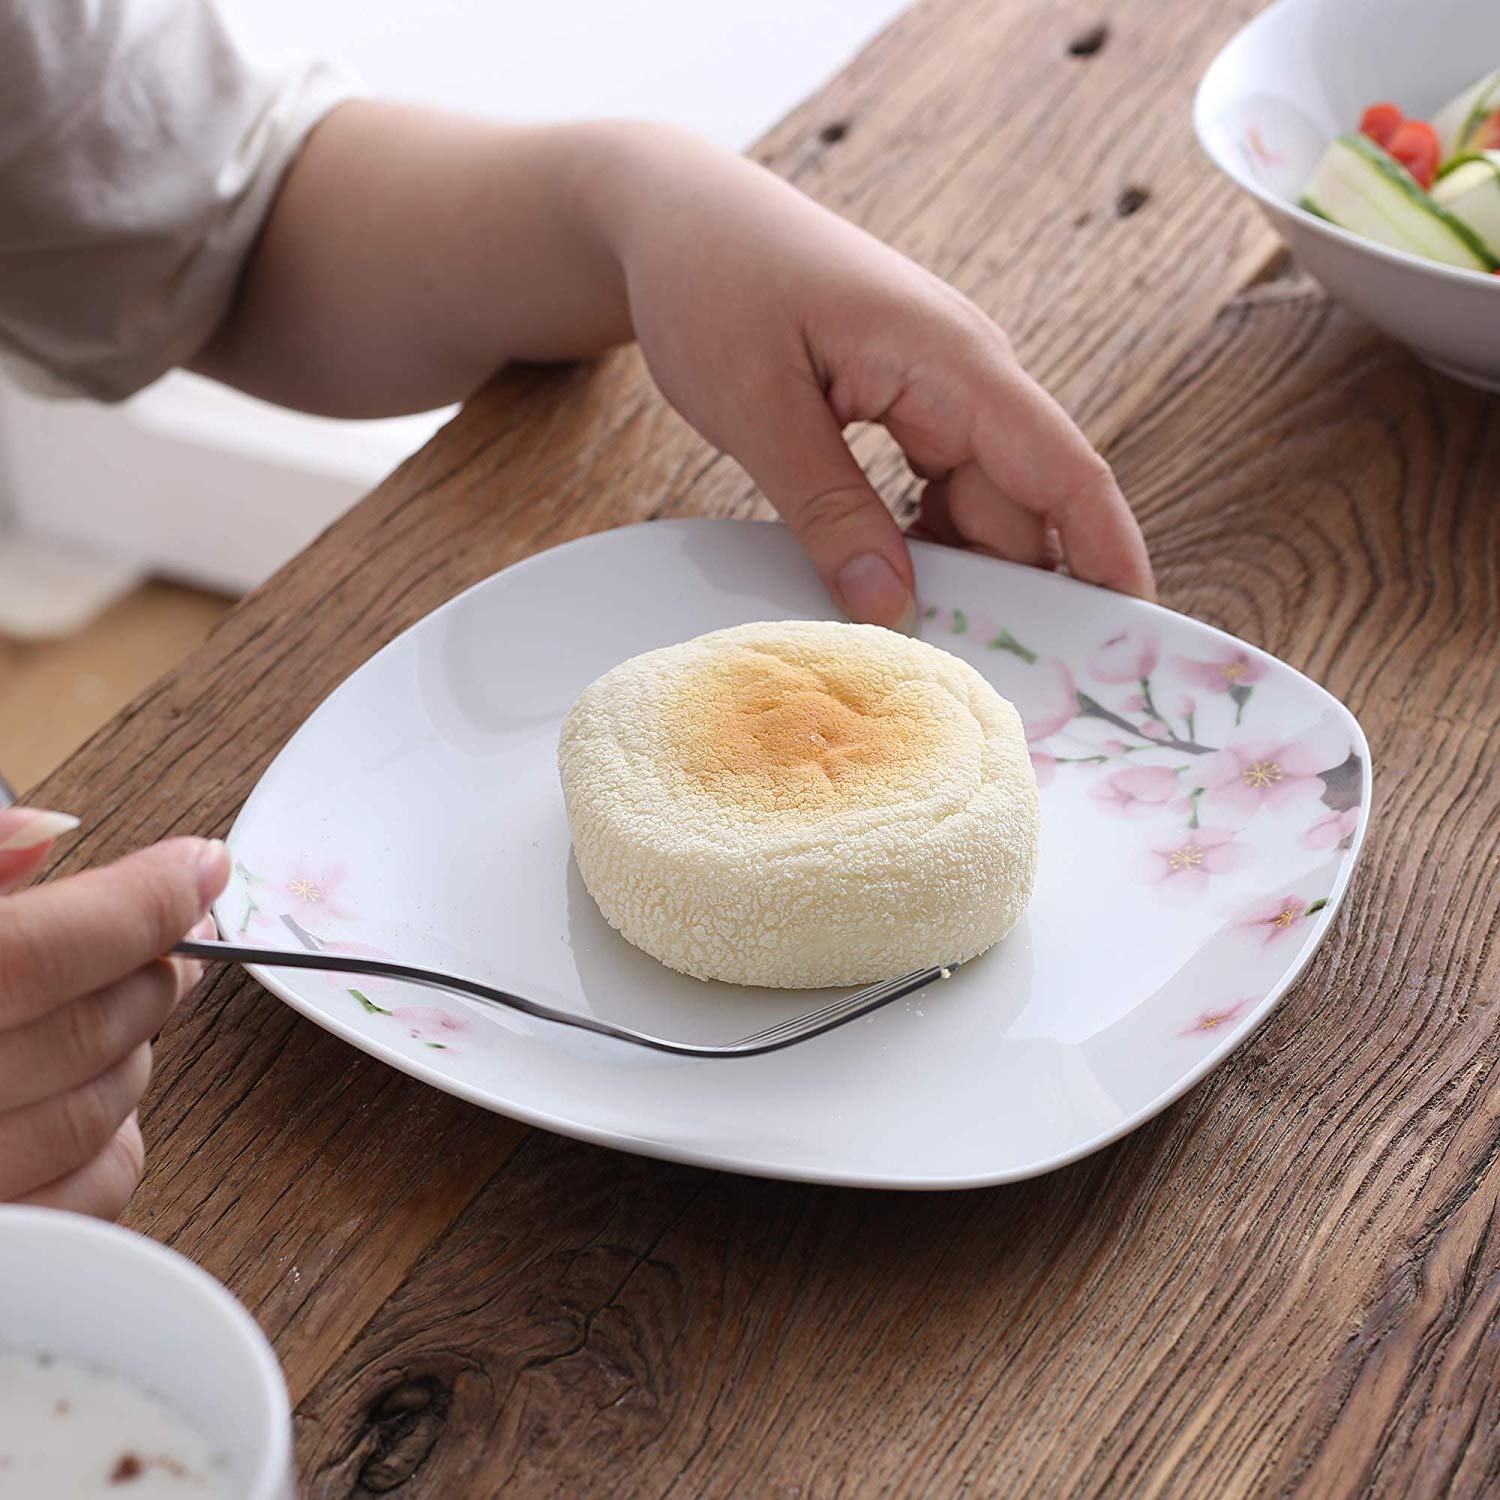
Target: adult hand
84 987
772 324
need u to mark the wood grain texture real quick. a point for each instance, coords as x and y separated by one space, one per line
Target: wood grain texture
1289 1283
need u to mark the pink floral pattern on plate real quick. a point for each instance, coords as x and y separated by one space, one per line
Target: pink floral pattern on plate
1277 918
1137 792
310 892
1212 1020
1168 741
1191 858
1248 774
430 1023
300 899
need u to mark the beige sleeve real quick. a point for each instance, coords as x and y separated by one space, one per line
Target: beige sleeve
140 152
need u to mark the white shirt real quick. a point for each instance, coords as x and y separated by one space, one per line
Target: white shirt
140 152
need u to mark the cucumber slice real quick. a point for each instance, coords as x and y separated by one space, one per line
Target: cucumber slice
1362 188
1470 190
1457 121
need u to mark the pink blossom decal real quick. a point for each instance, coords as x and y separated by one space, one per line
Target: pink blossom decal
1333 830
1139 792
1049 701
431 1024
301 891
1045 767
1212 1020
314 890
1130 656
1241 779
1222 673
1271 920
1232 671
1190 859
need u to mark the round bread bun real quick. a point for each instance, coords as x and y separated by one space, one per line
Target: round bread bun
801 803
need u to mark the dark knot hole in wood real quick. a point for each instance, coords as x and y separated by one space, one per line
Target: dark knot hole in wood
1088 43
833 132
1132 200
405 1423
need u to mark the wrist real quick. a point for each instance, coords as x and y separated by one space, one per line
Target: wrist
631 175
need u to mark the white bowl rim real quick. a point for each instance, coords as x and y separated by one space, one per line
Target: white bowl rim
50 1225
1462 275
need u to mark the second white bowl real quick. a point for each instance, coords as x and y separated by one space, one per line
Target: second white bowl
84 1290
1301 73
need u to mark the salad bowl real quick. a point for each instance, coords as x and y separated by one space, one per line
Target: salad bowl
1299 76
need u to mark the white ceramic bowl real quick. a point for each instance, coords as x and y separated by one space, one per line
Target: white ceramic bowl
1301 73
82 1289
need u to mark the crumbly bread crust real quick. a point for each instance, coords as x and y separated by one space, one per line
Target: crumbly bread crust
799 804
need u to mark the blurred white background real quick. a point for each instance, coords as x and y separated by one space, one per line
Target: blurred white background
190 481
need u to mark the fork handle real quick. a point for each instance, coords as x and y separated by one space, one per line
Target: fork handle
771 1039
344 963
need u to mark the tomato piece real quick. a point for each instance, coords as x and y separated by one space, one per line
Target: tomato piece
1380 122
1416 146
1487 137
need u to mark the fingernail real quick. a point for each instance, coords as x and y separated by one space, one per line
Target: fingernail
213 869
26 827
872 592
206 930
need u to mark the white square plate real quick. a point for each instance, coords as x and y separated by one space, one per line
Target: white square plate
1203 805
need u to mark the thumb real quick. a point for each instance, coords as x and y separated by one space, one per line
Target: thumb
26 838
799 458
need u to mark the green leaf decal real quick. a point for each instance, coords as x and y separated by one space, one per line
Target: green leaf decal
1005 641
368 1004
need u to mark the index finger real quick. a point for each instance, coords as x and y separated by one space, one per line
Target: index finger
67 939
1030 447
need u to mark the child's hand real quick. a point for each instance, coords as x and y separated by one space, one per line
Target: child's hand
771 324
768 321
83 989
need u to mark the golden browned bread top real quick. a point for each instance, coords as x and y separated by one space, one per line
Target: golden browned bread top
834 728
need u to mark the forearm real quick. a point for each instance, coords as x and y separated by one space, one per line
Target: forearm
411 252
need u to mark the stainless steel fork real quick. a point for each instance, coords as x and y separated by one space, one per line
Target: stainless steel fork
771 1039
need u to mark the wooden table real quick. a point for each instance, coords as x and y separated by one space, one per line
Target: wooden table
1290 1281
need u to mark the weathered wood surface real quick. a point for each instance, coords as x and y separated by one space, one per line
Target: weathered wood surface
1288 1283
